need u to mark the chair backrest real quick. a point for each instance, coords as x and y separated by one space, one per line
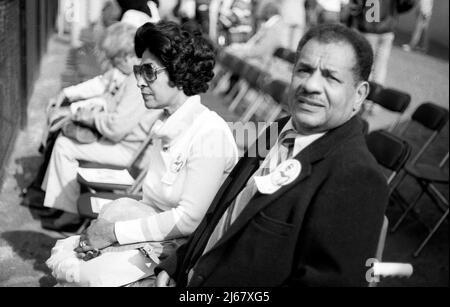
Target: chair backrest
286 54
391 99
254 76
239 67
389 150
232 63
433 117
375 90
278 90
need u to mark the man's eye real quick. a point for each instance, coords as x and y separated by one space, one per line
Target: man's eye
302 71
330 77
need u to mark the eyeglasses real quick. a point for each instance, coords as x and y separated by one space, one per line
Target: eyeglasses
147 71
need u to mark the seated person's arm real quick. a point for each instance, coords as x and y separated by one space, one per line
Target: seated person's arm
344 224
88 89
127 115
203 179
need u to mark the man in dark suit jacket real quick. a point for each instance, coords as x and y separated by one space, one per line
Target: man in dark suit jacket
275 224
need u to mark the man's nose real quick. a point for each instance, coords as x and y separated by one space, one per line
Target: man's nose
313 83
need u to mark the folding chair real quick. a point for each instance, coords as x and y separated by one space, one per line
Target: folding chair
286 55
232 65
375 90
133 168
390 151
427 176
277 90
256 79
392 100
434 118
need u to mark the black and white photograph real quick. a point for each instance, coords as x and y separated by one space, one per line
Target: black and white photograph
224 148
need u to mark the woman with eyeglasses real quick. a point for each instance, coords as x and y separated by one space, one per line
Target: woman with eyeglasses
193 151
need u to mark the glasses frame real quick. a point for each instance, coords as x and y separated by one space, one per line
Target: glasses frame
141 71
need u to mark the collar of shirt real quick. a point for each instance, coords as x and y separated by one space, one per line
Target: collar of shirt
169 129
301 141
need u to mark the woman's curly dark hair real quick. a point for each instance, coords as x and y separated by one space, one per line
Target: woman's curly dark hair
188 57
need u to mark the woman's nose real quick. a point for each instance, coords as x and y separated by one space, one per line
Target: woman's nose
140 81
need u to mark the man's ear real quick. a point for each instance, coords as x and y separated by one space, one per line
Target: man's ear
362 91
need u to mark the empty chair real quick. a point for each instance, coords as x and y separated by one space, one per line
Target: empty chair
434 118
231 65
277 90
392 100
390 151
252 78
375 90
286 55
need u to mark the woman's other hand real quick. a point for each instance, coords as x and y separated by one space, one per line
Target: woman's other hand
85 117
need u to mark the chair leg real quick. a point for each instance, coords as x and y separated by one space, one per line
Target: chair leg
221 83
274 115
241 94
252 109
411 207
419 250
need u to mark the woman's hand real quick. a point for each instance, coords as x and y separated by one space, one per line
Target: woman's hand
85 117
98 236
163 280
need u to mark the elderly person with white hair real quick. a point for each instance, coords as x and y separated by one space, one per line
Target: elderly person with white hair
123 125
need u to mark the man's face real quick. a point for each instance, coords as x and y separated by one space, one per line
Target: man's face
324 94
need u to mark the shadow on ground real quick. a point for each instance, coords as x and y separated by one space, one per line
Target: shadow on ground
34 246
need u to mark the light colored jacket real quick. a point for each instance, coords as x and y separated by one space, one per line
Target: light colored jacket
193 152
126 118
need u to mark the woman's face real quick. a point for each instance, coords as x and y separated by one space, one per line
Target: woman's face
124 63
157 94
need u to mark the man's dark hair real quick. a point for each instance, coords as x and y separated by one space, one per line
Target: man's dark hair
336 33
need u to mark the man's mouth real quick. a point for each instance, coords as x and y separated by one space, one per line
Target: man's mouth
310 102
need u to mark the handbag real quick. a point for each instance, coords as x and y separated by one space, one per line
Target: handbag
60 120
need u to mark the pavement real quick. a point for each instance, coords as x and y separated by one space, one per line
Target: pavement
24 245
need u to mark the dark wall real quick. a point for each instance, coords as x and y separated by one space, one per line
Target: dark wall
25 26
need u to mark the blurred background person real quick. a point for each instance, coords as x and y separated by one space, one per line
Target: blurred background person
123 126
420 37
377 22
329 11
267 39
293 15
230 21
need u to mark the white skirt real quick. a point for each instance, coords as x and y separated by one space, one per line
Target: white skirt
116 266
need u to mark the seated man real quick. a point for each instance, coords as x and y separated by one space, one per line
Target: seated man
311 213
